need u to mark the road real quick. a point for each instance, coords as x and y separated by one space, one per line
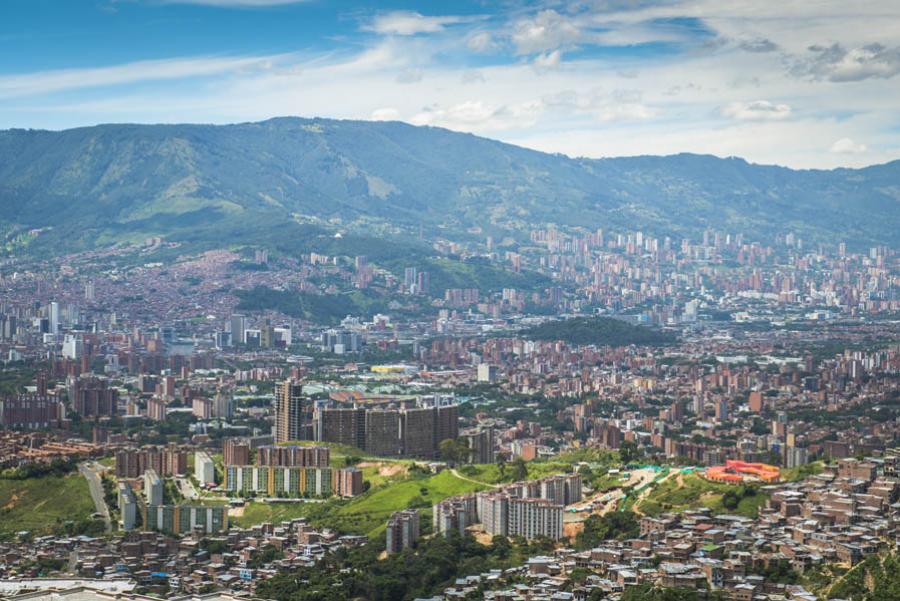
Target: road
91 471
461 477
188 491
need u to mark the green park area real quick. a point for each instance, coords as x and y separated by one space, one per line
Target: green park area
367 513
394 486
45 504
684 491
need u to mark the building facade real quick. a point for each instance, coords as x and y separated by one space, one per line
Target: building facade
402 530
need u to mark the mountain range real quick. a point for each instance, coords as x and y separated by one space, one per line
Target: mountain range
285 178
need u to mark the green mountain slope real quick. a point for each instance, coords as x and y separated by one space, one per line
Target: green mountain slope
208 184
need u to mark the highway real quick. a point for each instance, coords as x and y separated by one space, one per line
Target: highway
91 471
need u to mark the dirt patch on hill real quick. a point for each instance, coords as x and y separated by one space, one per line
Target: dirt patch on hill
386 470
572 529
13 500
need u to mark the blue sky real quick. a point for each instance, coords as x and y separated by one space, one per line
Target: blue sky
805 83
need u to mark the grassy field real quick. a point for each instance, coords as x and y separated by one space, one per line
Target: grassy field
490 473
692 492
367 513
40 504
257 513
379 473
392 488
804 471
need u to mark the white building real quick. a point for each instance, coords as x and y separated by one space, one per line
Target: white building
73 347
204 468
127 507
153 488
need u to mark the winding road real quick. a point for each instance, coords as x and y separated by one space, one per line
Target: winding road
461 477
91 471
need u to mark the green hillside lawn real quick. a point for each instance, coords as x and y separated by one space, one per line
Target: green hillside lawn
490 473
802 472
368 513
258 513
38 505
697 492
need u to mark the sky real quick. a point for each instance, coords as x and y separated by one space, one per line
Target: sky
802 83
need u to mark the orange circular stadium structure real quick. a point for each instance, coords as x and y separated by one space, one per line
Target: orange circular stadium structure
736 472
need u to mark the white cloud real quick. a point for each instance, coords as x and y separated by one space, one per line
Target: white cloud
410 75
839 64
43 82
546 31
547 60
758 110
626 112
403 22
848 146
758 45
385 114
480 116
676 100
481 41
473 76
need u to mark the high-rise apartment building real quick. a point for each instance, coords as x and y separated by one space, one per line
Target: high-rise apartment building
92 397
341 341
293 412
535 518
410 432
53 316
180 519
153 488
342 426
156 409
532 509
493 509
418 429
279 481
223 404
481 444
238 327
30 411
292 456
383 433
402 530
127 507
169 461
236 451
204 468
348 482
